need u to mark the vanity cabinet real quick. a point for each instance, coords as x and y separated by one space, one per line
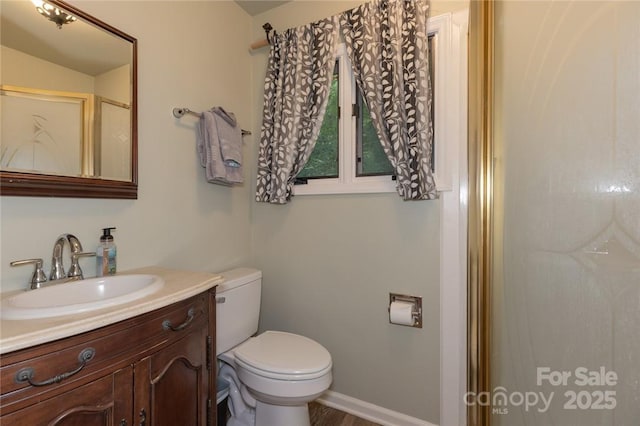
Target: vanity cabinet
155 369
103 402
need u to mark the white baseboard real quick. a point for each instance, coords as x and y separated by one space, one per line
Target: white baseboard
368 411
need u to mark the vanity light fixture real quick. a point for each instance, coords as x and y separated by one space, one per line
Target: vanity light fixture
52 13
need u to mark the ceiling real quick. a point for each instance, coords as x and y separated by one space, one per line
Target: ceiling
78 45
256 7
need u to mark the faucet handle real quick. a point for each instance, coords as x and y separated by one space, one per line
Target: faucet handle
74 269
38 276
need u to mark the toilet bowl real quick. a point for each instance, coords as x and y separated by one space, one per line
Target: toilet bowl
272 376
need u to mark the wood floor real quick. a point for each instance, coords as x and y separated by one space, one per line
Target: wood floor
322 415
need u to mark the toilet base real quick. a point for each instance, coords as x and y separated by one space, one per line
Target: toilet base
270 415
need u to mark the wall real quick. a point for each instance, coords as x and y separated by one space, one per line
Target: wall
329 263
111 84
191 54
20 69
568 78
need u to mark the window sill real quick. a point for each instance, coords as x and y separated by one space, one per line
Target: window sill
335 186
369 185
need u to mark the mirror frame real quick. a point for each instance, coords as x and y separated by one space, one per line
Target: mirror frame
43 185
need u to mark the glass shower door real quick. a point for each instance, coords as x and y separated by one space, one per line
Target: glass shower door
566 285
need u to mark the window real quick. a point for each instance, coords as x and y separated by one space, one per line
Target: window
324 160
370 157
348 157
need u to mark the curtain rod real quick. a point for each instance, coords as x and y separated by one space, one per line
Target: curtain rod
266 41
180 112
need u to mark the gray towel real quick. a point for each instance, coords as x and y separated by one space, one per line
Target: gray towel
230 136
209 149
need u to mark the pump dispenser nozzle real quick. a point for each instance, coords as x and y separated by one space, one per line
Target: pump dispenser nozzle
106 234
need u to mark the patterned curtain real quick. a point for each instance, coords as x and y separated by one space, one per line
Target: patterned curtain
296 92
388 46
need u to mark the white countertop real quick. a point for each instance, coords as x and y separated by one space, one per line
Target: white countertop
178 285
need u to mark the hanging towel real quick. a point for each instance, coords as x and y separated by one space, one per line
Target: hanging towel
230 136
209 150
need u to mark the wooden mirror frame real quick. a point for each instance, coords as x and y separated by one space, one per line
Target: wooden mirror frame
43 185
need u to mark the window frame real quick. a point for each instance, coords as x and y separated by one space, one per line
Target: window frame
347 181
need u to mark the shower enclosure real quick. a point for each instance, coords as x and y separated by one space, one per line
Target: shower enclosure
564 258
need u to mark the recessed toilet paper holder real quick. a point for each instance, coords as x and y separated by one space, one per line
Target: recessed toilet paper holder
416 310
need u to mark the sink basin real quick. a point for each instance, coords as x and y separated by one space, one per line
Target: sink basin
79 296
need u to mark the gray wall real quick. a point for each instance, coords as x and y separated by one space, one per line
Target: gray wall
329 264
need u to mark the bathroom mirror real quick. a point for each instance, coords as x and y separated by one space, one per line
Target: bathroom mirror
68 103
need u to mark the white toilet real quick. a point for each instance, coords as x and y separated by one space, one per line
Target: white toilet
272 376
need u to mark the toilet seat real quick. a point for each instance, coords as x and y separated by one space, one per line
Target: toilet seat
283 356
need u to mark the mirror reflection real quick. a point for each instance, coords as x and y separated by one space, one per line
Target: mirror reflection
66 94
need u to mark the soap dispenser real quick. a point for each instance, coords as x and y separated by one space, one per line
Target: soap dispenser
106 254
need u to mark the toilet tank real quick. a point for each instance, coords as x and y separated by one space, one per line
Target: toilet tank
237 307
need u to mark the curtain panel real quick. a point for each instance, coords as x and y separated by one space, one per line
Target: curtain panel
387 43
296 92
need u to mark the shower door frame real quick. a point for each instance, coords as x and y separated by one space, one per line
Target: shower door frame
481 180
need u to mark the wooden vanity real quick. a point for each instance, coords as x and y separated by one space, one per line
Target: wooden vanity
153 369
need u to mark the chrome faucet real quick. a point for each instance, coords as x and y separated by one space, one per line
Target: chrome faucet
58 274
57 267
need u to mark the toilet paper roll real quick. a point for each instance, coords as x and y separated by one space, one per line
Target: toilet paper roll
400 313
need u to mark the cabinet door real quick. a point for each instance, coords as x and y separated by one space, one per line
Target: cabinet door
103 402
172 385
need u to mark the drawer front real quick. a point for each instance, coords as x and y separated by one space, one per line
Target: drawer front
57 366
99 403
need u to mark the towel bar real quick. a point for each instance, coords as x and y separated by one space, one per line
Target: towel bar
179 112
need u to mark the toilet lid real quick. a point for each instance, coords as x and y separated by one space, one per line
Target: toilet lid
280 355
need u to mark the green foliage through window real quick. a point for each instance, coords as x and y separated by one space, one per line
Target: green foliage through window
371 159
323 162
